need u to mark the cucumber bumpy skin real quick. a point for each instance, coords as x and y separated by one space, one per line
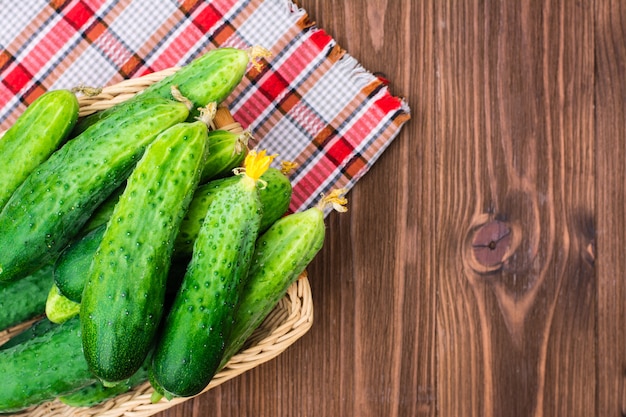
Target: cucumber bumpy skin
43 367
34 136
73 263
58 197
226 151
70 269
36 329
97 393
123 298
275 199
281 255
26 298
102 213
198 324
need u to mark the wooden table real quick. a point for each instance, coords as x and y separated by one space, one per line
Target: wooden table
480 269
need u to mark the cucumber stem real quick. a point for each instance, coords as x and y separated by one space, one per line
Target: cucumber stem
155 397
241 143
256 53
178 96
207 115
334 199
287 166
86 90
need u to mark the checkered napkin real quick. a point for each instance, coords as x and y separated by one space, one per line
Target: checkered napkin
312 104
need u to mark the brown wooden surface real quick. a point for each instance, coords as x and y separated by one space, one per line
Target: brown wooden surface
481 268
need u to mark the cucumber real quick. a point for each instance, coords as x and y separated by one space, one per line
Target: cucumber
26 298
275 198
97 393
54 202
209 78
70 271
59 308
43 367
38 328
227 151
102 213
34 136
123 298
195 330
281 255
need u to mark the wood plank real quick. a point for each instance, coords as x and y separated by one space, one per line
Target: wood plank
516 308
610 133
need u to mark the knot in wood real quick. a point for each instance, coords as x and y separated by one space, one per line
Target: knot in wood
490 245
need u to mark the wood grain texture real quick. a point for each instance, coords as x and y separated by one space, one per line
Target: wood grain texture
610 137
480 269
516 96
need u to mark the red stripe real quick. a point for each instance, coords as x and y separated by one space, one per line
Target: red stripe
54 40
273 86
306 186
206 18
339 151
387 103
78 15
17 78
321 39
221 7
110 46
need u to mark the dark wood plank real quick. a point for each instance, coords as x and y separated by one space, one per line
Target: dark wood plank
610 133
516 308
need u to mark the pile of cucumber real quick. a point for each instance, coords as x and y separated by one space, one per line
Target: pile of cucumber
154 244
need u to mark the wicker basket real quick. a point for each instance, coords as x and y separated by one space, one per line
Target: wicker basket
291 318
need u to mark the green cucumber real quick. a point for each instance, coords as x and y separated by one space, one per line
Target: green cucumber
281 255
97 393
36 329
56 199
102 213
123 298
209 78
197 327
34 136
71 267
227 151
275 198
59 308
43 367
26 298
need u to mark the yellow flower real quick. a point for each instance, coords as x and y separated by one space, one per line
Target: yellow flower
257 163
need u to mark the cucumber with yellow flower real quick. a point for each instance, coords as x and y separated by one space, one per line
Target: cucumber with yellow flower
197 328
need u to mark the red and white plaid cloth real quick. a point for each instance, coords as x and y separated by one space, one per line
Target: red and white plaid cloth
312 104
